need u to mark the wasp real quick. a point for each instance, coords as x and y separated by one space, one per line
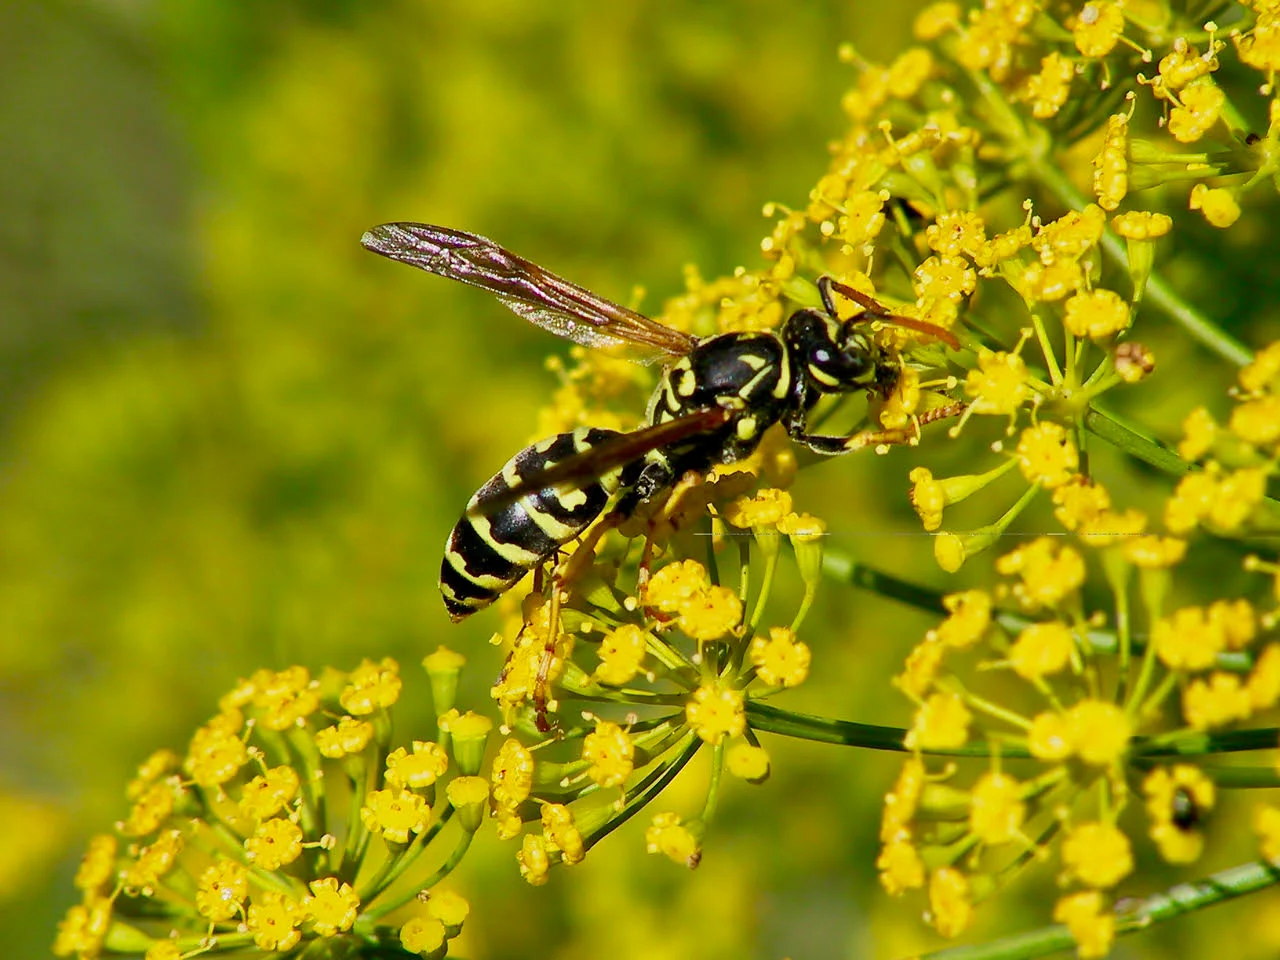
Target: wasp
714 400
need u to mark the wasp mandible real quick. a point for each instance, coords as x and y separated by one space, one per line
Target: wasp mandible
715 399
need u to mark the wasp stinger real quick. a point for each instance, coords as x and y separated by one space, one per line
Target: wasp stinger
714 400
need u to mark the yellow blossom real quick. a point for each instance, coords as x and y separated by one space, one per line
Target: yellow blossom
285 697
423 935
927 497
1098 28
1238 493
1197 113
371 686
98 865
1096 313
1099 731
1050 736
999 385
562 833
395 814
956 232
714 712
747 762
1263 684
765 509
331 906
1191 501
1154 552
1097 854
1262 372
941 722
1048 90
1199 430
950 902
1257 421
676 583
1141 225
1111 170
781 659
1222 700
1188 640
621 653
1068 237
944 278
273 920
611 754
1092 926
936 19
1176 799
920 669
1046 455
533 859
1080 502
969 618
347 736
710 614
1049 572
222 890
900 866
1266 824
667 835
419 769
996 809
1041 649
1217 204
863 217
275 843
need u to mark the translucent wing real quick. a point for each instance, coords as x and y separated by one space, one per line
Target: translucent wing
580 469
537 295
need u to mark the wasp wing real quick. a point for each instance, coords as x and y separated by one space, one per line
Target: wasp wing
531 292
574 472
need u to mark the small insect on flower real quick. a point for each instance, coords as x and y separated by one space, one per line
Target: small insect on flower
714 401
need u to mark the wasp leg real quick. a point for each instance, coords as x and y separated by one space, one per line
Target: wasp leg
829 446
542 703
873 307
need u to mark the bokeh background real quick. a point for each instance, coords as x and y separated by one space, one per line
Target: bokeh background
230 438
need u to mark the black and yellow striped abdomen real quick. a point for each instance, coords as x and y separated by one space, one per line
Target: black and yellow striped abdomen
487 553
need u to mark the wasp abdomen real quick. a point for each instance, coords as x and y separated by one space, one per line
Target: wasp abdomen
488 552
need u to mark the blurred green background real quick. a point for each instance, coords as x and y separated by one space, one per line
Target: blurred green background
230 438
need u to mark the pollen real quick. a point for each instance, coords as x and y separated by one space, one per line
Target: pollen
610 753
1041 649
941 722
371 686
1098 28
1260 47
715 712
1096 313
1223 699
1046 455
668 835
1092 926
999 385
1200 107
950 902
1097 854
1181 66
1217 204
331 906
996 809
621 653
780 659
1099 731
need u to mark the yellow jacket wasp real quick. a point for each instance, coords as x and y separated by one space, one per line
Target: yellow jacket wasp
714 400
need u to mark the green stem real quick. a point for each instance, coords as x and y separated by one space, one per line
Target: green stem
1123 437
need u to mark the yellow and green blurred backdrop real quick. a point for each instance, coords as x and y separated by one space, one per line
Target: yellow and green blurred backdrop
230 438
